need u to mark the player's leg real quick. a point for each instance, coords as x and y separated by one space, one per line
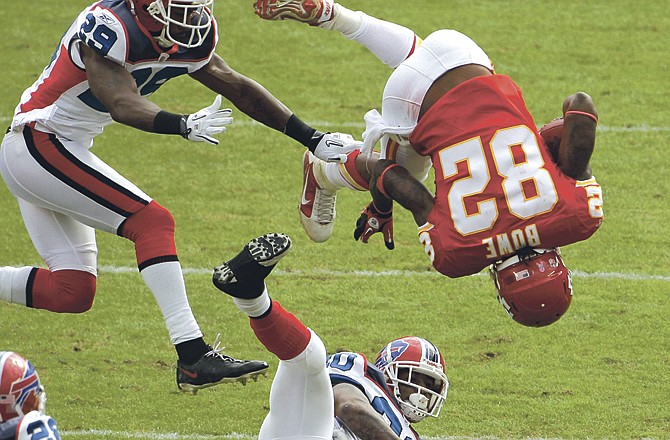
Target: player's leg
69 250
65 177
320 183
301 399
389 42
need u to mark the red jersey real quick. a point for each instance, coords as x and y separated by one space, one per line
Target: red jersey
497 188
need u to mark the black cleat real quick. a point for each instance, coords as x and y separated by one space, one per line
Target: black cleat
214 368
243 276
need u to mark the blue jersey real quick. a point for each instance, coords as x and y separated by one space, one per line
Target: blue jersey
354 369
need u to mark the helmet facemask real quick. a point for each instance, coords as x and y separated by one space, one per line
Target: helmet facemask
186 23
422 400
415 374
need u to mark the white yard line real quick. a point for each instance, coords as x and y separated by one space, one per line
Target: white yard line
395 273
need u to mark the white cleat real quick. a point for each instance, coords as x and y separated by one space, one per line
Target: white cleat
317 204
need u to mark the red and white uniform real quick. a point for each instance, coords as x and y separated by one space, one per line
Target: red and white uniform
64 190
497 188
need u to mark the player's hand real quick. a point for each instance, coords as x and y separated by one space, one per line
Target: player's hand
334 147
372 221
202 125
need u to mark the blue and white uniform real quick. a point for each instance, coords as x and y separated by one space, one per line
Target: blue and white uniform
45 158
61 102
32 426
354 369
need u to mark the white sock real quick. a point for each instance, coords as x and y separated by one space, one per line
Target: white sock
13 283
166 282
334 176
344 20
254 307
389 42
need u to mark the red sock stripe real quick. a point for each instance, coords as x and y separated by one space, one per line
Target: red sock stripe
50 153
350 166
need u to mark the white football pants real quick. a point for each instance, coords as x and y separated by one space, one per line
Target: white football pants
301 398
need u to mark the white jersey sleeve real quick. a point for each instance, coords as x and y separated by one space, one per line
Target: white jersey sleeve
100 30
35 425
354 369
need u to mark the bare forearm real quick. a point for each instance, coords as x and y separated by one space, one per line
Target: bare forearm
244 93
365 422
115 88
579 136
401 186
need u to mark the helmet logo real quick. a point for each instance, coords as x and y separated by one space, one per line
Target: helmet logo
20 390
391 353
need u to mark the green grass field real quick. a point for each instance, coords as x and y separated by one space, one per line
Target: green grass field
601 372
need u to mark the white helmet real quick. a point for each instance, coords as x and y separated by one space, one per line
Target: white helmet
185 23
400 361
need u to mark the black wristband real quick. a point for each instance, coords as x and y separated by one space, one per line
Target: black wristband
170 123
302 133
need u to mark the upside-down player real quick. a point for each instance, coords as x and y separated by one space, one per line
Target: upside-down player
114 55
342 396
502 199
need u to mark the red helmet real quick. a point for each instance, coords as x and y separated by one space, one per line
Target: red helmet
534 289
183 22
416 356
20 388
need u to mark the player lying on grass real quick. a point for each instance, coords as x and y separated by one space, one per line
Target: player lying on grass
341 396
501 199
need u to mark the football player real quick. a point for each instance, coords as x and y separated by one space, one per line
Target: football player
342 396
114 55
22 401
500 198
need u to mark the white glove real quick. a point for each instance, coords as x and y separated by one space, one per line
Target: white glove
333 147
201 125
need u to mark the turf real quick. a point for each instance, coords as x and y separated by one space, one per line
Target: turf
602 371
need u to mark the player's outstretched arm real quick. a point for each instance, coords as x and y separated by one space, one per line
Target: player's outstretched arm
580 118
257 102
244 93
116 89
354 409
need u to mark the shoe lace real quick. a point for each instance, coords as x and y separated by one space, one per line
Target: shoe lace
324 205
216 351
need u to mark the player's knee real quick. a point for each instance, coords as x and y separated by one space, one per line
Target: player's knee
75 291
152 230
153 219
316 354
